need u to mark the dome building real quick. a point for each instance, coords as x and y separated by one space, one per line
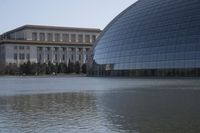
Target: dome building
151 38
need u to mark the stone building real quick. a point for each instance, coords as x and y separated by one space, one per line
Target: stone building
43 44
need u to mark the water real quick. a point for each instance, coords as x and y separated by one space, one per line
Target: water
99 105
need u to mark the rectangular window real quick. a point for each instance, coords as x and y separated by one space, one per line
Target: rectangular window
72 49
79 57
73 38
63 57
40 57
56 57
80 38
87 49
57 37
15 47
48 48
48 58
39 48
93 38
15 56
28 47
28 56
34 36
21 56
72 57
65 37
50 37
63 49
79 49
42 36
87 38
56 49
21 47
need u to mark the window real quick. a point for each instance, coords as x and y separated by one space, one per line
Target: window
87 38
42 36
63 49
40 57
34 36
73 38
28 56
80 38
21 56
93 38
65 37
48 58
79 49
56 57
15 47
50 37
63 57
87 49
72 57
48 48
56 49
79 57
21 47
57 37
15 56
72 49
40 48
28 47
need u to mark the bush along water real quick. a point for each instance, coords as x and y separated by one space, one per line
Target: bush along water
43 68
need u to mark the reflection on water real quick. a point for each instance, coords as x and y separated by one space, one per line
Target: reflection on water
156 111
69 112
163 107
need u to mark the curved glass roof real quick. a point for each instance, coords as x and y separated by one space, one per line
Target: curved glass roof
152 34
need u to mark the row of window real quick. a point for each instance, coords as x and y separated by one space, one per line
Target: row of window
63 57
63 37
21 56
22 47
63 49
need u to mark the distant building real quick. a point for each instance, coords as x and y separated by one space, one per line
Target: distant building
43 44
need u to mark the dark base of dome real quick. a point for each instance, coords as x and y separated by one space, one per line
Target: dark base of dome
148 73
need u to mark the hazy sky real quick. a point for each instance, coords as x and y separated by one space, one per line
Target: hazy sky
70 13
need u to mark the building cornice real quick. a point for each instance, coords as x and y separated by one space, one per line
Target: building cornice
56 28
25 42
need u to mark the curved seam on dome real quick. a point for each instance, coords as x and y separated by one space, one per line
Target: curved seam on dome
113 21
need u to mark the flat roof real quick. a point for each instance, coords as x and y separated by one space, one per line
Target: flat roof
60 28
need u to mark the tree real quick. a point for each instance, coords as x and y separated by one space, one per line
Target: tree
84 68
34 69
10 69
77 67
62 68
70 67
27 68
41 69
48 68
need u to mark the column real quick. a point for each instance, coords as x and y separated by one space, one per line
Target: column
43 51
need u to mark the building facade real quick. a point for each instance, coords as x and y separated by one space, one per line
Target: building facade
43 44
151 37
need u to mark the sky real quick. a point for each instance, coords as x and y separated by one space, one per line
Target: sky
69 13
